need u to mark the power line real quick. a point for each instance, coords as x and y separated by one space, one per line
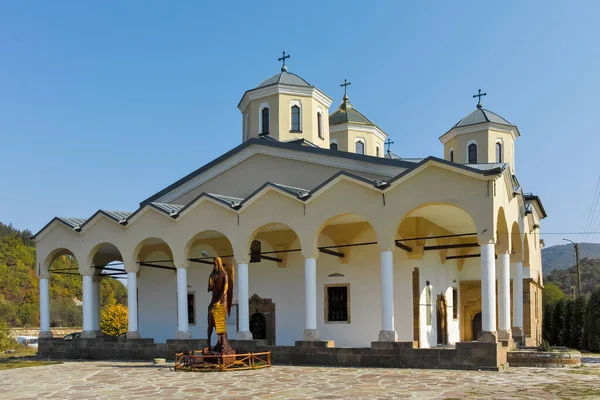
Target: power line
591 217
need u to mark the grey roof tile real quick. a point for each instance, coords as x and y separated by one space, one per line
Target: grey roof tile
284 78
168 208
117 215
72 222
481 115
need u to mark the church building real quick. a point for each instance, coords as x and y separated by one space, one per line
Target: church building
332 236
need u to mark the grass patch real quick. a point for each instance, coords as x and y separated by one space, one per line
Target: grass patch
21 351
11 363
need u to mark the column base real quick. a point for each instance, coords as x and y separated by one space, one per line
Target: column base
311 335
388 336
46 335
244 335
518 336
488 337
133 335
183 335
504 335
88 335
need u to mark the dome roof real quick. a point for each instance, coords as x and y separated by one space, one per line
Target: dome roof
346 113
481 115
284 78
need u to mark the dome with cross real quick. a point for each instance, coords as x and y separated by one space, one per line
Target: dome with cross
284 78
481 115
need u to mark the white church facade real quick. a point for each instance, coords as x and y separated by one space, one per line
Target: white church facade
333 238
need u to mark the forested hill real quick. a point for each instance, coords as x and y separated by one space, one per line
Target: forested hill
563 256
566 279
19 285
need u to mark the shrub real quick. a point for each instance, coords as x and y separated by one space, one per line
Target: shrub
566 331
577 324
114 319
593 321
6 341
547 321
558 323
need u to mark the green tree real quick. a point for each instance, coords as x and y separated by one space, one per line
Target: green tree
547 326
551 293
558 323
593 321
566 331
5 340
577 333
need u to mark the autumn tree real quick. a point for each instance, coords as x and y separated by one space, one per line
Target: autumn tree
114 319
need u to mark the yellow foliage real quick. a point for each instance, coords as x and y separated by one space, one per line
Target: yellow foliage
114 319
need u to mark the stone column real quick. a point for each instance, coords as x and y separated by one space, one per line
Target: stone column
388 333
517 328
488 293
183 330
504 296
45 331
310 297
243 306
96 304
88 307
132 306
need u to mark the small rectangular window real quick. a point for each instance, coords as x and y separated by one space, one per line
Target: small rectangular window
454 303
320 126
191 300
295 119
337 303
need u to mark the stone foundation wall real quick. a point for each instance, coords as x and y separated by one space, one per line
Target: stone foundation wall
470 355
543 359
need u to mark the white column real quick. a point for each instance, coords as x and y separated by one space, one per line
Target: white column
44 309
183 331
388 333
504 296
517 327
488 291
243 311
132 306
310 297
96 303
88 307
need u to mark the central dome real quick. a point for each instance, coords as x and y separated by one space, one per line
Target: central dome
481 115
284 78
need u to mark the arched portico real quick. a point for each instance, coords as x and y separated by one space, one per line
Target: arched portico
516 264
439 243
151 281
106 257
45 271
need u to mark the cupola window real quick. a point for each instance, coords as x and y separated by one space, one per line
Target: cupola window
451 155
498 152
320 125
360 147
265 120
333 146
472 149
295 118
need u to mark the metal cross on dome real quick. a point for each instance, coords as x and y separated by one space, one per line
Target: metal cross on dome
389 144
345 85
283 58
480 95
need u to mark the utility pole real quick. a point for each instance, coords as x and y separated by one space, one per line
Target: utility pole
578 266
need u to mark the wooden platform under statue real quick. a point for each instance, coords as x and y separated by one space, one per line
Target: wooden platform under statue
206 361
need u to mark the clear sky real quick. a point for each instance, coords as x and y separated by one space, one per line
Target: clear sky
103 104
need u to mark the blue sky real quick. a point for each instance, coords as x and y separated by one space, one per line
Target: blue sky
103 104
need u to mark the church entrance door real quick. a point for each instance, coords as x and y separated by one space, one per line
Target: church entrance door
442 326
262 319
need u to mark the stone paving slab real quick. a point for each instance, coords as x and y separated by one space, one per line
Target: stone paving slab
141 380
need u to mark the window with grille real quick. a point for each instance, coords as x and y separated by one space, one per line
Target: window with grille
472 153
265 120
295 119
454 303
191 300
337 303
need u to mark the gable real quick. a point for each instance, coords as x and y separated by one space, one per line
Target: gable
244 178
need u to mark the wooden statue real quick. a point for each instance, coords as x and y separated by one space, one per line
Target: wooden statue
220 283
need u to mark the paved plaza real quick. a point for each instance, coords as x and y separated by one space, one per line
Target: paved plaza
137 380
